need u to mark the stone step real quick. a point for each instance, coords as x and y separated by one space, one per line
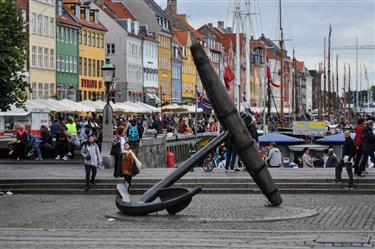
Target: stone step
139 191
186 185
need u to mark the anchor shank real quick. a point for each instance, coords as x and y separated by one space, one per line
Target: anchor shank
184 168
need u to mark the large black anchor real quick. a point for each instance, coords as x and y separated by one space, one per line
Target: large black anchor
175 199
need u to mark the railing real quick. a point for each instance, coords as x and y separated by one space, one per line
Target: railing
180 144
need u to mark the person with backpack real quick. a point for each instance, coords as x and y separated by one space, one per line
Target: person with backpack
274 156
92 160
134 133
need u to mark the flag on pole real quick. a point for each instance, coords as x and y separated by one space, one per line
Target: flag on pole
228 76
204 103
269 77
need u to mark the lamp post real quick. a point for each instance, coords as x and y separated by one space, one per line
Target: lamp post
108 74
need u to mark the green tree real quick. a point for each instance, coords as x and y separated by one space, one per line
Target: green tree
13 42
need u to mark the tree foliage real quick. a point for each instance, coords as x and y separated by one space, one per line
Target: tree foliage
13 43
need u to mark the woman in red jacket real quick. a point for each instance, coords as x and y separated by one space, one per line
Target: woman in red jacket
358 145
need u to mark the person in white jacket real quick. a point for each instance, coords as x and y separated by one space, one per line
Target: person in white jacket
92 159
274 157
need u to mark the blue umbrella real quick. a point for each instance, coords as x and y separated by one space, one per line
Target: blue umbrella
279 139
334 139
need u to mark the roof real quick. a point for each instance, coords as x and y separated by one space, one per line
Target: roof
198 35
229 40
279 139
117 10
67 21
98 26
159 11
182 36
176 40
300 66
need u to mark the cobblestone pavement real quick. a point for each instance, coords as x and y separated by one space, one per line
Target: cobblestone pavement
51 221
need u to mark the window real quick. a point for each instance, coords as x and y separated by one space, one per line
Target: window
51 27
67 35
94 68
80 65
97 40
74 36
102 41
46 60
89 65
46 91
93 39
51 58
40 57
40 90
89 39
101 65
51 89
97 68
33 89
33 56
67 64
46 26
71 36
108 48
62 34
58 62
58 30
62 63
113 48
80 37
33 22
40 24
84 37
71 70
85 66
75 65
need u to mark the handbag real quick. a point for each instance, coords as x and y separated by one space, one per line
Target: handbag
116 149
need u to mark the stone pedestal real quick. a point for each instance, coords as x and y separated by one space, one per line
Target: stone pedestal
108 160
152 154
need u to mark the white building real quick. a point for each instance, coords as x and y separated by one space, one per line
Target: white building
150 66
123 48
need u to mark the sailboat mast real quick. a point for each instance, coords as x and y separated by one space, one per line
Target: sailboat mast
349 94
344 95
337 99
294 87
329 70
281 69
238 54
325 80
247 50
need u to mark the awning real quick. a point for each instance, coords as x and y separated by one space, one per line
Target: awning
150 95
153 109
76 106
279 139
334 139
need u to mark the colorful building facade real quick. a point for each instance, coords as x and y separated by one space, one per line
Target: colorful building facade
42 49
67 54
91 50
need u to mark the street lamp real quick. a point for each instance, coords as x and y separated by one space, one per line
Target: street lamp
108 73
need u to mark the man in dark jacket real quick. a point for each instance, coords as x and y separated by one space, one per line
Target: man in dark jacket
348 152
368 146
44 142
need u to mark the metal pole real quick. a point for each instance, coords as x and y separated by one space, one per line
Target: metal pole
356 73
325 80
281 69
337 98
247 52
196 113
237 93
329 72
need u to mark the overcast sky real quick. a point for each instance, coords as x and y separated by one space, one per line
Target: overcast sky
305 22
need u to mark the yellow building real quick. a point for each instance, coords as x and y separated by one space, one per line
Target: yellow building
189 73
42 49
165 66
91 50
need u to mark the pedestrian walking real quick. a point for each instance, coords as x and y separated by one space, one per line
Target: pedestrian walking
368 146
134 133
231 155
118 147
358 145
92 160
130 164
274 157
348 153
307 161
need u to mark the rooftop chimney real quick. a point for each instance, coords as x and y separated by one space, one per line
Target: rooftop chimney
172 5
220 25
229 30
210 25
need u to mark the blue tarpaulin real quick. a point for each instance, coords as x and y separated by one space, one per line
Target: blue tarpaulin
279 139
334 139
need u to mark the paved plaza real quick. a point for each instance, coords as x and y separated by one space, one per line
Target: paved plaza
210 221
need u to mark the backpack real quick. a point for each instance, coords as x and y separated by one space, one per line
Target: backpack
133 133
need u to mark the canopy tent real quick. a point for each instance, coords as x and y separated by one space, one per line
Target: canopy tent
76 106
150 107
191 108
52 105
334 139
173 108
138 108
97 105
279 139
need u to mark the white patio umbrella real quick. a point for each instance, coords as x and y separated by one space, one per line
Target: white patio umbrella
76 106
153 109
